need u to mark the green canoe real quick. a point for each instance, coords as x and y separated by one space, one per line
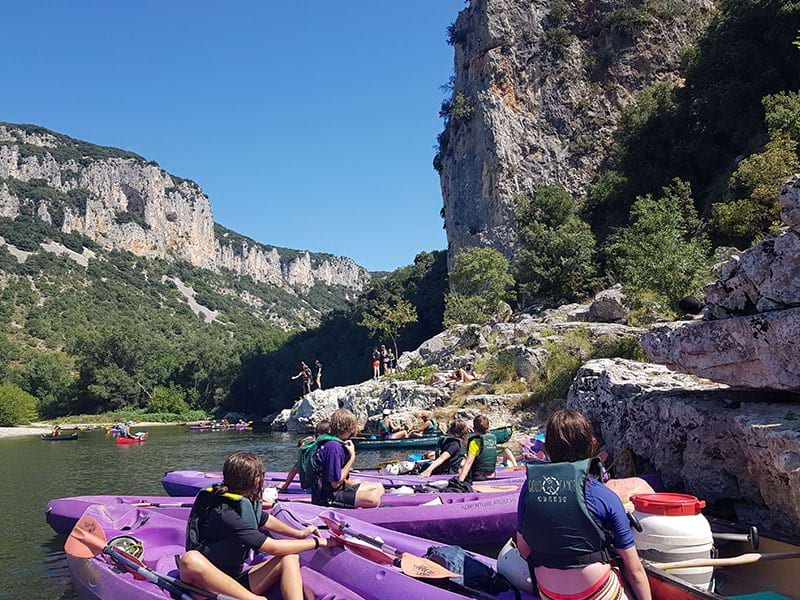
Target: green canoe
503 434
49 437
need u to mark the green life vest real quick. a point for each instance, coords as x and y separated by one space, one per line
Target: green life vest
453 464
383 428
486 462
207 499
557 524
432 428
308 467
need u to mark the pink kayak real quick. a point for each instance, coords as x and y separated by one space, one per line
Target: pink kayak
162 536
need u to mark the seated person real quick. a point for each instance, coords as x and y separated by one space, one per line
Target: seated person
327 463
227 522
322 428
568 545
56 430
450 452
481 462
429 426
389 429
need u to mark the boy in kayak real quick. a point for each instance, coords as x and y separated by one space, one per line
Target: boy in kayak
481 461
429 426
326 466
451 451
569 523
227 522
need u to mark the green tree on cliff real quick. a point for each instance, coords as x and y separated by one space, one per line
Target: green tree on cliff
389 319
480 281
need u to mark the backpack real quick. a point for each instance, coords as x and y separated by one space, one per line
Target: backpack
308 467
477 579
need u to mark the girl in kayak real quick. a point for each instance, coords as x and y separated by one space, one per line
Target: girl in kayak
227 522
451 451
569 523
429 426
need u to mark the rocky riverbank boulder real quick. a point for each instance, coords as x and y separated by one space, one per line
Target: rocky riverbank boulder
609 307
730 447
749 336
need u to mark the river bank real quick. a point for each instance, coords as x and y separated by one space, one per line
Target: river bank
39 428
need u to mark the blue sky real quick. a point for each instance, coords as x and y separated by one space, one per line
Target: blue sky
309 124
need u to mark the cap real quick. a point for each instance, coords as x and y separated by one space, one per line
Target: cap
386 411
671 505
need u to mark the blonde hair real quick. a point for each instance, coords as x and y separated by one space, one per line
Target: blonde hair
343 423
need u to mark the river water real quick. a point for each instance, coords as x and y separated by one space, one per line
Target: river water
32 563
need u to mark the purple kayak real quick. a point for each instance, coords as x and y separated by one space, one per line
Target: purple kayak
188 483
365 577
163 538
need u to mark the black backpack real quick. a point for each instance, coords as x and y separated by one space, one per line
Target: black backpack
477 579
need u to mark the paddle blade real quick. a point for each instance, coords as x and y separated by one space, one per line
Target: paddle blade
423 568
333 524
86 540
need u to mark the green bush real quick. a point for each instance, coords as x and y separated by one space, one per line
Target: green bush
17 407
481 272
630 21
558 38
458 109
462 310
665 250
782 114
556 260
416 373
167 400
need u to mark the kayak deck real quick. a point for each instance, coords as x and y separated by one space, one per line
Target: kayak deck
502 434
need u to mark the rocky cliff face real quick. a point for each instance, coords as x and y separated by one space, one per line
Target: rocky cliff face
538 89
749 337
126 203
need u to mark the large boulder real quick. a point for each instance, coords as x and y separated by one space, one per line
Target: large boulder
723 445
609 307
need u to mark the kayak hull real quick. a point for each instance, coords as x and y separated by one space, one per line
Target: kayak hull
123 441
502 434
163 538
48 437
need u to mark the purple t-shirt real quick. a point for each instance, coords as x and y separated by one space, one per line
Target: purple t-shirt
604 505
332 456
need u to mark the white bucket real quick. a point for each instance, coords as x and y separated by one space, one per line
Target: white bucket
674 529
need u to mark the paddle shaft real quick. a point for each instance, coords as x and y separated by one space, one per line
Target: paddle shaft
743 559
149 575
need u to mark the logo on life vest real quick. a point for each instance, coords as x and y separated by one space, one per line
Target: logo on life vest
550 486
552 489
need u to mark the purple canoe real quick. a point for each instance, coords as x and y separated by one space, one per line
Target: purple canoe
163 538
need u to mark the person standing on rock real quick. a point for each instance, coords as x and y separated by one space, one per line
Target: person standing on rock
384 360
389 364
569 524
376 363
305 374
318 378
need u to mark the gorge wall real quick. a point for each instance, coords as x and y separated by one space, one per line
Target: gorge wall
124 202
538 89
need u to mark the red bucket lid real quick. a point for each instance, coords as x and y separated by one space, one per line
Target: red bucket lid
670 505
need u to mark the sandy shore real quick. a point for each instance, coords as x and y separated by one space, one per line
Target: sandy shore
7 432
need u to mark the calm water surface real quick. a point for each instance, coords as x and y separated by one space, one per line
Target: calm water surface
32 563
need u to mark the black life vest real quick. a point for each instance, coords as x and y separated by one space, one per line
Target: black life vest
207 499
486 461
557 525
308 467
453 464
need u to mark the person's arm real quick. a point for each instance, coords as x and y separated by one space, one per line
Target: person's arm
634 573
445 456
466 467
281 528
522 546
286 547
289 478
348 445
298 376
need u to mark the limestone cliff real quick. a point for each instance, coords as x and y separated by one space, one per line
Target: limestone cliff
124 202
538 89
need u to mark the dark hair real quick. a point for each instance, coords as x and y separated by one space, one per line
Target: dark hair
569 437
343 422
481 424
243 473
323 427
458 429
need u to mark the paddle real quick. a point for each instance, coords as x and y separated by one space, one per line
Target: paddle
144 504
413 566
743 559
88 540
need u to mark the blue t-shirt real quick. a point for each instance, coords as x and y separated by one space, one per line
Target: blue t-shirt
332 456
604 505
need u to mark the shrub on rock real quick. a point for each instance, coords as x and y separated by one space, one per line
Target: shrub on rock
17 407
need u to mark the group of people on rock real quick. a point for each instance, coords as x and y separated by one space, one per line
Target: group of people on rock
381 357
310 380
566 546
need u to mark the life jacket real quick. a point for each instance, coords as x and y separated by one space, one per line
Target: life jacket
453 464
383 427
486 461
432 427
207 499
557 524
308 467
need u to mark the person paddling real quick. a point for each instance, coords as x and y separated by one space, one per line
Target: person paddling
481 462
569 524
326 464
450 452
227 522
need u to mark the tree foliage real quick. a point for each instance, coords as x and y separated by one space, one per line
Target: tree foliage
665 249
557 249
17 407
389 319
480 281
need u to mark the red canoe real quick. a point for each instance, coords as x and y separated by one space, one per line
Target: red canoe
124 441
